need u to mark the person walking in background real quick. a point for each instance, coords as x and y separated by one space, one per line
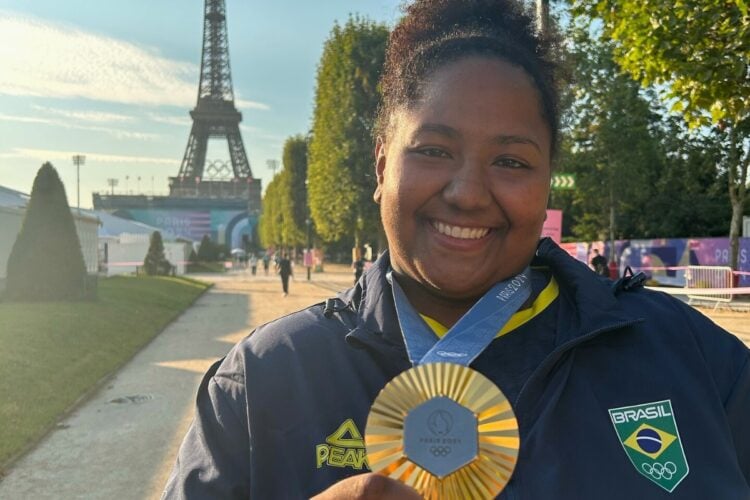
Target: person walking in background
284 269
266 261
599 263
253 263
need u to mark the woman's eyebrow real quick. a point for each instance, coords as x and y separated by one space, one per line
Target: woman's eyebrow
515 139
436 128
451 132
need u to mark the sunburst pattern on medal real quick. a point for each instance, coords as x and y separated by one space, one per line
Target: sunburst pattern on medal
497 427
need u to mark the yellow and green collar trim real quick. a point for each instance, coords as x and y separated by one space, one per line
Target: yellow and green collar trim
541 302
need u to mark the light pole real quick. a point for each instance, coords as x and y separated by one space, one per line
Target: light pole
542 15
309 247
308 222
112 183
78 160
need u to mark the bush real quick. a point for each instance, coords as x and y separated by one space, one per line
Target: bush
156 262
46 262
208 251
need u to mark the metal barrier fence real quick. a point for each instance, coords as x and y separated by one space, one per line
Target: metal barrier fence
699 278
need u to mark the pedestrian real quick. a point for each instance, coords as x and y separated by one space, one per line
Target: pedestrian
284 269
618 392
599 263
253 263
266 261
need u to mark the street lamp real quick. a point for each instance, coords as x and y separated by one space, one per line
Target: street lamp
112 184
78 160
308 222
309 247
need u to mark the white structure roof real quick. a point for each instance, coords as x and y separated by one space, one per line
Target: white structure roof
112 226
12 198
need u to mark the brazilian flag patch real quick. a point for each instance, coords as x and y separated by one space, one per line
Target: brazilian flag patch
649 435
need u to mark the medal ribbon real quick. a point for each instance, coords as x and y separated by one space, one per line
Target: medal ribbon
471 334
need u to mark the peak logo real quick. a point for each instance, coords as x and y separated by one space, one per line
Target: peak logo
343 448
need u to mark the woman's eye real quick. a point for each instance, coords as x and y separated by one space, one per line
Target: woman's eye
510 163
433 152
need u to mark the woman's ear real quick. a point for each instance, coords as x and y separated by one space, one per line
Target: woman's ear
379 168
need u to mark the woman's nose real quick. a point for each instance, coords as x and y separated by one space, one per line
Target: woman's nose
468 189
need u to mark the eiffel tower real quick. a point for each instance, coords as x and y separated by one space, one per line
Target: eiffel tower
215 116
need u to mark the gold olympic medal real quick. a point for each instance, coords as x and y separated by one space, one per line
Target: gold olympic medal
445 430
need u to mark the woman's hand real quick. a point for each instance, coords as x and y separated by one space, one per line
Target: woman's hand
369 486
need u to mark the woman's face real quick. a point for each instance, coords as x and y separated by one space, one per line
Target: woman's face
463 178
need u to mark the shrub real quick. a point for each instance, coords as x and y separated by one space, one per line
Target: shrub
156 262
46 262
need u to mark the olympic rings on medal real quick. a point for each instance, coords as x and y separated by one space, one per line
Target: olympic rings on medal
660 471
440 451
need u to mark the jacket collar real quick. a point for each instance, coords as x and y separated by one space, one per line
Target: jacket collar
372 299
594 305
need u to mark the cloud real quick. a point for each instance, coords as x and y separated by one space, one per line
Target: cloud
182 121
56 122
85 116
41 58
53 155
242 104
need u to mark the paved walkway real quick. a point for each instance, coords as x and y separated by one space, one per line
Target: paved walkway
122 442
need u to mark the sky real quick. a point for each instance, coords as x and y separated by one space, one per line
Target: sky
115 81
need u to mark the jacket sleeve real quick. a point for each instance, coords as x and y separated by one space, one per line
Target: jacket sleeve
738 414
728 358
213 460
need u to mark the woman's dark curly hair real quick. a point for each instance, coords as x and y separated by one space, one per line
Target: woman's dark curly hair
436 32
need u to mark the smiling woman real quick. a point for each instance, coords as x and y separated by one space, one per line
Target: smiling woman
463 176
529 359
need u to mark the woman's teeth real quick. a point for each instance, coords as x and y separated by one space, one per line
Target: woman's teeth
464 233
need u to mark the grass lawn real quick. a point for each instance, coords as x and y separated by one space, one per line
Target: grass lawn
52 353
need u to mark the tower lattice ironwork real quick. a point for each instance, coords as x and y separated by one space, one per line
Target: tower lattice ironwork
215 115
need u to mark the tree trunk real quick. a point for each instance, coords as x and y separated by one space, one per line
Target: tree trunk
612 223
737 177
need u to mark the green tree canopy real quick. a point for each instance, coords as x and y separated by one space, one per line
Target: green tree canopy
608 144
294 191
697 53
46 262
285 210
271 218
341 180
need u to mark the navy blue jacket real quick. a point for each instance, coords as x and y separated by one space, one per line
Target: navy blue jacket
282 415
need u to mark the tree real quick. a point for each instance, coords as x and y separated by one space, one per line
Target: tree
156 262
608 144
698 53
689 198
208 251
293 191
46 262
270 223
341 180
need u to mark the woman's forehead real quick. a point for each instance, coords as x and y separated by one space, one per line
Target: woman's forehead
472 85
471 97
